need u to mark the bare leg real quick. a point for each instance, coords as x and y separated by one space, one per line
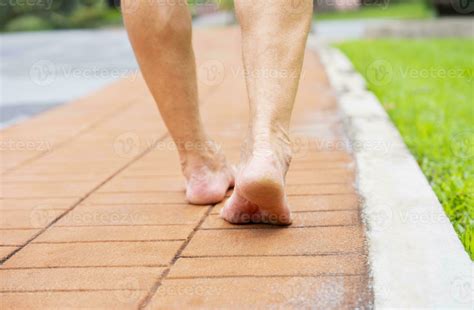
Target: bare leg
160 33
274 34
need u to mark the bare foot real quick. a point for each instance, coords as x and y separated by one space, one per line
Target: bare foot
208 177
259 194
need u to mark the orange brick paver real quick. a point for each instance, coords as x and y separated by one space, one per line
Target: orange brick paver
93 212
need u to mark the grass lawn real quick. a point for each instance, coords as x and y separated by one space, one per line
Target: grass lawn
427 88
410 10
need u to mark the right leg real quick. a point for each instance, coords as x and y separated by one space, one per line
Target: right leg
274 36
160 34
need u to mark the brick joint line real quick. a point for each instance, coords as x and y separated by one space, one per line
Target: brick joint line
87 195
85 267
289 227
164 275
279 255
72 138
249 276
106 241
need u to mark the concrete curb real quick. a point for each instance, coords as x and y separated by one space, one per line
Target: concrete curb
415 256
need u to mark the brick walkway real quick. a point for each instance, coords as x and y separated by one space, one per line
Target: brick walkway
93 212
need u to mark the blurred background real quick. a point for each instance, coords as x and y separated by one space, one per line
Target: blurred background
53 51
417 56
33 15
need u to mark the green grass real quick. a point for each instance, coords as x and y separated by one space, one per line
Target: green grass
410 10
82 17
427 88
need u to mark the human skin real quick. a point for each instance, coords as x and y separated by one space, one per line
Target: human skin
274 34
160 33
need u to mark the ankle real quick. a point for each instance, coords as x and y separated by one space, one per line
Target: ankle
273 144
202 154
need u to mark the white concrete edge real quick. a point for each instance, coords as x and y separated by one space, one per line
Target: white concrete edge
416 259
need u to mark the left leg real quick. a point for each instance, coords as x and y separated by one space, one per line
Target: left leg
160 33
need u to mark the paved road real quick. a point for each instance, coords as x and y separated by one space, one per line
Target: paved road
40 70
43 69
338 30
